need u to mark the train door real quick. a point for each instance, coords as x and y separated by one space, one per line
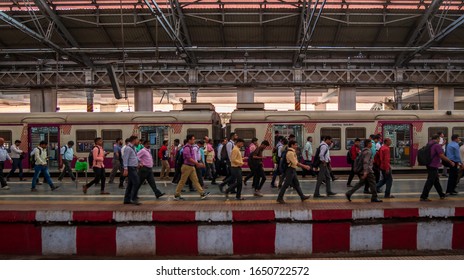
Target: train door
400 149
287 129
156 135
52 136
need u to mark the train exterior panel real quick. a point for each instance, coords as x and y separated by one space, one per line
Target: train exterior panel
409 130
59 128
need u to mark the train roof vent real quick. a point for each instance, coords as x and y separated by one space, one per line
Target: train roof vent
199 106
250 106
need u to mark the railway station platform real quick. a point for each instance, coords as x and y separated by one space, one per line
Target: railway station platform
67 222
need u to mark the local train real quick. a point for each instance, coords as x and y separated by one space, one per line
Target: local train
409 130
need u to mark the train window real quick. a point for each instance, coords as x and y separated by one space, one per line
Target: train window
336 134
7 136
435 130
351 133
109 136
459 131
246 134
199 133
85 139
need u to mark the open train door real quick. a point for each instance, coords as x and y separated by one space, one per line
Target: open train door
402 143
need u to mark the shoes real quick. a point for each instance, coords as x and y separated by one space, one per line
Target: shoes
280 201
244 182
306 197
34 190
348 196
178 198
443 197
182 190
191 190
323 182
376 200
60 180
389 196
5 188
84 189
160 195
367 192
226 193
136 202
53 188
258 194
239 198
121 187
39 184
334 179
331 194
205 195
452 193
214 183
379 191
22 180
318 196
425 199
104 193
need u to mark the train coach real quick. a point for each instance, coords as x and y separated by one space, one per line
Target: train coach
409 130
82 128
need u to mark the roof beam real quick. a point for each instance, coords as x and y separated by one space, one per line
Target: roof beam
44 7
11 21
438 37
170 30
418 31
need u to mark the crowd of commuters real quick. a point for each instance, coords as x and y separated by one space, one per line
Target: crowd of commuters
195 161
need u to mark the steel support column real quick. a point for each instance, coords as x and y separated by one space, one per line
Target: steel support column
43 100
443 98
297 92
143 99
193 94
398 94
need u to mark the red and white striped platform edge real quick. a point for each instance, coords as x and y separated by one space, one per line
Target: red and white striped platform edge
229 232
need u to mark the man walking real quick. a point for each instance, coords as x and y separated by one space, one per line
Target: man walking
67 156
163 155
307 156
251 148
236 162
146 169
117 163
188 170
210 156
256 160
367 178
436 153
98 167
4 156
354 152
17 156
131 162
324 171
452 152
290 173
385 168
225 157
41 166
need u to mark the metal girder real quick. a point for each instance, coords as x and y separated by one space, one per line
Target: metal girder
206 77
418 31
438 37
170 30
44 7
309 26
11 21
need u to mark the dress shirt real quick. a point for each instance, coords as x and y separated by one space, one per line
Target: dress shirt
308 148
67 153
219 149
324 153
4 156
230 146
15 151
145 158
452 152
236 159
188 154
130 158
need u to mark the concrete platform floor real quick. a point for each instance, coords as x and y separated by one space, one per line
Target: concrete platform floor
406 190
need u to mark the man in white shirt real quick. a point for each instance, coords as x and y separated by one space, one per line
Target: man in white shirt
443 143
308 156
17 155
324 172
67 156
41 166
4 156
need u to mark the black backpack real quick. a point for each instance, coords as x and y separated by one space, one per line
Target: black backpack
180 157
424 155
349 160
90 157
224 154
283 164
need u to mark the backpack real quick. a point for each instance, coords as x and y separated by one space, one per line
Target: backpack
317 158
424 155
283 164
90 157
349 160
358 164
60 156
224 154
180 157
32 156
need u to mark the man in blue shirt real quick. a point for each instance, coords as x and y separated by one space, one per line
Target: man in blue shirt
117 163
452 152
67 156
